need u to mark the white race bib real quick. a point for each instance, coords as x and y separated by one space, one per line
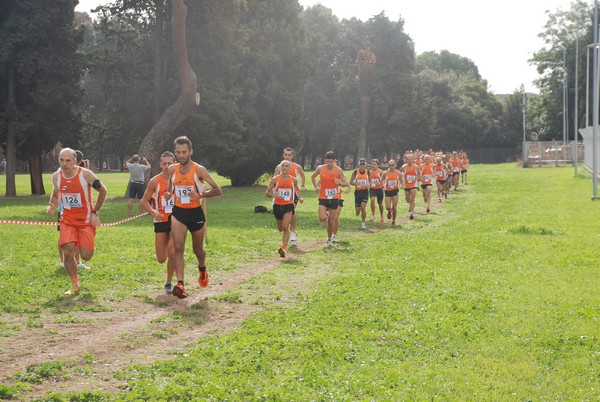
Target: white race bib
427 177
411 179
331 193
183 193
361 183
374 182
71 200
392 183
284 194
168 204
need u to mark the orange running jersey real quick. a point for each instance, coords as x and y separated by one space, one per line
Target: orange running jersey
294 169
361 180
283 191
164 206
184 184
374 175
426 174
455 165
392 180
465 165
329 189
410 176
440 172
76 196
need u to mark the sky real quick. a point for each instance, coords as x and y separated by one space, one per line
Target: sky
499 36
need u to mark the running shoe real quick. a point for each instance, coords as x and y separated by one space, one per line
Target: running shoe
179 291
412 216
373 218
334 239
73 291
329 242
428 210
202 277
293 238
281 252
363 225
81 265
381 220
393 223
439 200
168 288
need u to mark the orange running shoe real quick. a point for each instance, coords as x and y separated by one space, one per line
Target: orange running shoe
281 252
179 291
202 277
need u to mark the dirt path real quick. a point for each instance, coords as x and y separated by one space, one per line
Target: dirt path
135 331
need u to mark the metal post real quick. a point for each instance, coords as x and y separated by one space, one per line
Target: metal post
595 105
564 147
525 157
576 106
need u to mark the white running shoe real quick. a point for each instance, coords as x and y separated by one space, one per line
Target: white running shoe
334 239
329 242
81 265
293 238
363 225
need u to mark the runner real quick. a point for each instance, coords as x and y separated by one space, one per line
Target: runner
330 178
155 204
297 172
79 219
360 181
410 173
391 180
283 188
464 168
376 189
440 178
336 224
426 174
186 184
456 167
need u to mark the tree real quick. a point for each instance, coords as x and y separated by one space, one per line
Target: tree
40 72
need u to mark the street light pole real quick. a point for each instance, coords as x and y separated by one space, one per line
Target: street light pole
525 157
595 105
576 106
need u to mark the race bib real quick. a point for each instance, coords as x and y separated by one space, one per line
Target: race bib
167 204
427 177
331 193
374 182
284 194
439 173
361 183
392 183
71 200
411 179
183 193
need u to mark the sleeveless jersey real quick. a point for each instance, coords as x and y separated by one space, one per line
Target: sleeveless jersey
374 176
283 191
76 198
410 176
440 172
426 174
455 165
164 206
361 180
329 189
465 165
392 180
183 184
294 169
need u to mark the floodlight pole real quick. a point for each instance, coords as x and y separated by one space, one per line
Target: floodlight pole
524 158
595 106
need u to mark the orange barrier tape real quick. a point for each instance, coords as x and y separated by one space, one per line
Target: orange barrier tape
16 222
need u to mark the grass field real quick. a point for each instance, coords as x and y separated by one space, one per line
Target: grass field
494 296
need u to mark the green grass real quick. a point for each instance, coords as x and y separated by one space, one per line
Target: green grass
493 297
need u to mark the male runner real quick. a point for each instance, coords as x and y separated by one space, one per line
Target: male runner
186 184
376 189
155 204
283 188
410 174
360 181
392 181
79 219
426 174
297 172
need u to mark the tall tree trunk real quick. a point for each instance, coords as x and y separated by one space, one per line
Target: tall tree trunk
159 136
366 61
35 174
158 58
11 138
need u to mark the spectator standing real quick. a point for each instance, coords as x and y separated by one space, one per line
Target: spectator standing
136 179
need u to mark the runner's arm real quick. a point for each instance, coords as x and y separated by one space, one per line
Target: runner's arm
145 201
54 201
214 190
270 187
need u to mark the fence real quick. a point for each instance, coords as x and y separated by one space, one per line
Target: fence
539 153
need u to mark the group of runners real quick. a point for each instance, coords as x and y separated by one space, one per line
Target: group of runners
175 196
418 172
